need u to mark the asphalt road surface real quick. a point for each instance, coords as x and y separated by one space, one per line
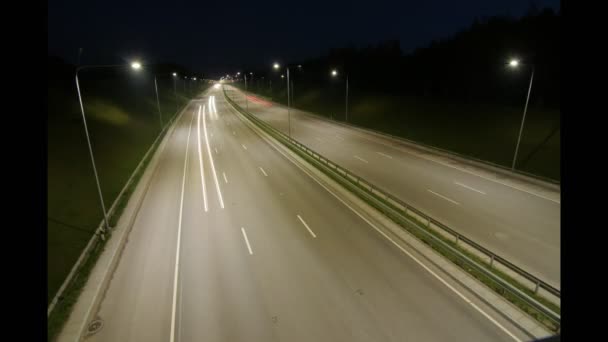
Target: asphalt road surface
250 248
523 227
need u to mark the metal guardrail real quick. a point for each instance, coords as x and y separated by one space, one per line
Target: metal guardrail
398 209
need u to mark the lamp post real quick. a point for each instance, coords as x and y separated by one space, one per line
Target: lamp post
135 66
514 63
175 90
334 73
276 66
160 114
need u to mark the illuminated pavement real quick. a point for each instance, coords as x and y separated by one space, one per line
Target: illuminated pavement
283 260
521 226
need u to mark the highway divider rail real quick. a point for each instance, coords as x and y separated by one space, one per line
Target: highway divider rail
531 294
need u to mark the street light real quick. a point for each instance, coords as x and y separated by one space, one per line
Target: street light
276 66
334 73
514 63
134 65
175 90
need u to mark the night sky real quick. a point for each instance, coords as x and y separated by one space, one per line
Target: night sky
217 37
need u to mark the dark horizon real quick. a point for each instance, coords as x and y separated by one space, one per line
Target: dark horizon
255 35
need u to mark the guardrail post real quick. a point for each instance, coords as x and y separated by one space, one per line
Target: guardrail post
491 260
358 180
457 238
428 223
536 288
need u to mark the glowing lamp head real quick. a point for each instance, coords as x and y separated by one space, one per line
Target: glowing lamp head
514 63
136 65
334 73
276 65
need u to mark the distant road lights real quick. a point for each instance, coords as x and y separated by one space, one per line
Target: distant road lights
282 76
136 65
334 73
514 63
250 73
238 73
276 66
174 74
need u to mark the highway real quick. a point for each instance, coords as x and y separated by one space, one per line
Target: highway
234 242
521 224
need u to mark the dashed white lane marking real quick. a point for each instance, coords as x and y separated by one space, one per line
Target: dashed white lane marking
468 187
245 147
445 198
246 241
225 179
361 159
385 155
305 225
264 172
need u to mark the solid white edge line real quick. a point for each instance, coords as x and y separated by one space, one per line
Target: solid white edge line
246 241
361 159
179 237
470 188
445 198
264 172
385 155
200 157
305 225
217 184
402 249
225 179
